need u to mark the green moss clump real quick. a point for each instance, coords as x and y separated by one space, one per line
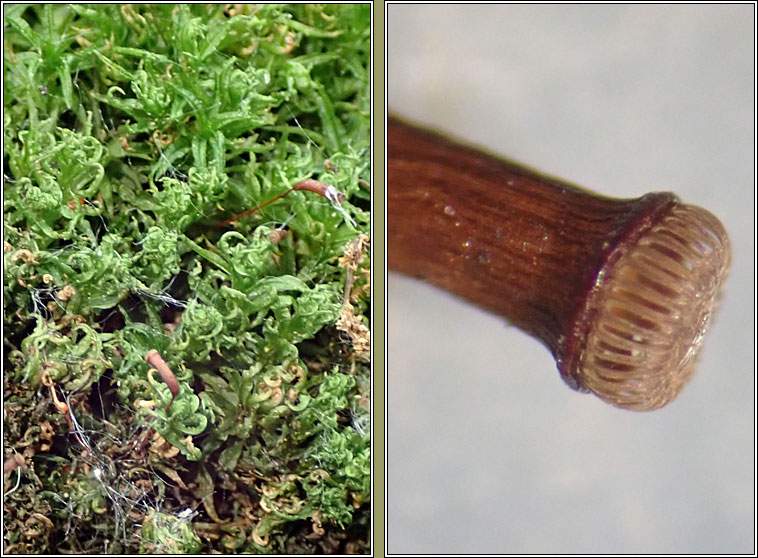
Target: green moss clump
131 132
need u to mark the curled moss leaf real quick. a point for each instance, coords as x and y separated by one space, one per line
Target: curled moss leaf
168 534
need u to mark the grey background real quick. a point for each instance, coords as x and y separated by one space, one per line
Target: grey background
488 450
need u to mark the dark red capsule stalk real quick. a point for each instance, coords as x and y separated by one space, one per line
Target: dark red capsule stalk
156 361
253 210
12 463
620 290
309 184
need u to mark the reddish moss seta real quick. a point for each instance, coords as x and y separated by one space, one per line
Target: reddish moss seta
620 291
154 358
309 184
12 463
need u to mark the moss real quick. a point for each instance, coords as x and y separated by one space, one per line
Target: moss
131 132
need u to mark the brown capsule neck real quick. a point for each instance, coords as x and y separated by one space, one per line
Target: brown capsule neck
523 245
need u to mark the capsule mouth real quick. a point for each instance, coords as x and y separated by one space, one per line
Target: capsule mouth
653 309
